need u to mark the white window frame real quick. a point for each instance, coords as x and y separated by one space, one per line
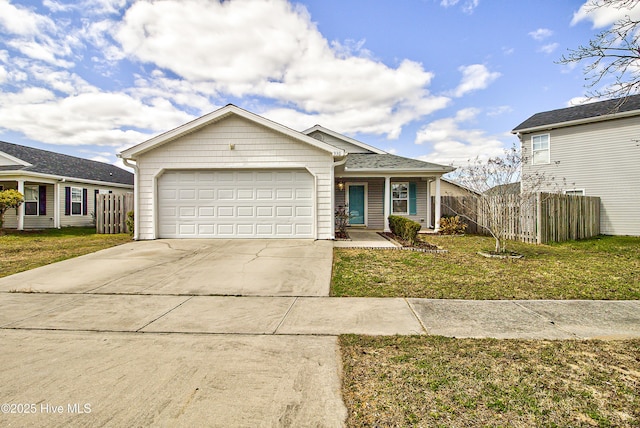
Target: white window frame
32 201
575 192
79 189
394 198
534 151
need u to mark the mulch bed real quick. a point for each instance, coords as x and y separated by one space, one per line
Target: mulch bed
419 244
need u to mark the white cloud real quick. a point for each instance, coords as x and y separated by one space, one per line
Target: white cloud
468 6
452 144
270 48
604 16
541 34
474 77
549 48
103 119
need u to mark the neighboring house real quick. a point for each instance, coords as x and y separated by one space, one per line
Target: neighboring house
234 174
59 190
595 149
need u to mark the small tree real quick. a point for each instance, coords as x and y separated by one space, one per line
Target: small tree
495 195
9 198
614 52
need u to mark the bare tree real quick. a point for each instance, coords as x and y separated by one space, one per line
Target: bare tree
613 52
495 197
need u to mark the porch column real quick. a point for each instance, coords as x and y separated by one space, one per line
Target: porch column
437 197
56 205
20 209
429 223
387 203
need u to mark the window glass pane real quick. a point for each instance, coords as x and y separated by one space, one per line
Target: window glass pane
541 157
76 208
540 142
399 207
31 193
31 208
76 194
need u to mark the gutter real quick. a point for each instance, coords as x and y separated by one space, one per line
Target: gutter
136 189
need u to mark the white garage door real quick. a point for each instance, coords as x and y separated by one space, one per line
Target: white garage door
236 204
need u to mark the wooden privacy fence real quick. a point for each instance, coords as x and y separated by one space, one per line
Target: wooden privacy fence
111 212
544 217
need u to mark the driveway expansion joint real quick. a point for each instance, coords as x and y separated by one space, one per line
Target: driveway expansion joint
164 314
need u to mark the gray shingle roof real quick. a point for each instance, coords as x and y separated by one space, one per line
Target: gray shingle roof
46 162
372 161
584 111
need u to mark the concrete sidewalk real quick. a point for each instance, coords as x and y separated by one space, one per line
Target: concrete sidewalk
320 316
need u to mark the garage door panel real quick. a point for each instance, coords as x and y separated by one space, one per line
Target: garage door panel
225 194
206 212
241 204
264 194
225 212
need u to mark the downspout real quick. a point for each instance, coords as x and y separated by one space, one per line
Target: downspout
333 194
136 199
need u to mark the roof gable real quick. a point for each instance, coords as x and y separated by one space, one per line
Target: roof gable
319 130
585 113
216 116
32 160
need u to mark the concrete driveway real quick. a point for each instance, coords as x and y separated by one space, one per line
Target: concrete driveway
189 267
115 338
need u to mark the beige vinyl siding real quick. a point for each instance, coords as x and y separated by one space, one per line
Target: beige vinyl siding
602 159
336 142
30 221
47 221
83 220
448 189
375 197
256 147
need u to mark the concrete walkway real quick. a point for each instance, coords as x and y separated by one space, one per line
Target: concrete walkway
364 238
320 316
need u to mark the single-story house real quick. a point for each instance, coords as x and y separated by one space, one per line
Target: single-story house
59 190
594 150
235 174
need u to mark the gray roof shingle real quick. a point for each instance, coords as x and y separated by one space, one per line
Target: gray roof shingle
372 161
584 111
46 162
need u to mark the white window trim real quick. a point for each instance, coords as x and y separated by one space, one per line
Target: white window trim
575 192
548 150
406 184
37 202
81 202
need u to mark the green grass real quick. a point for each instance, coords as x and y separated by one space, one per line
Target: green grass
24 250
441 382
604 267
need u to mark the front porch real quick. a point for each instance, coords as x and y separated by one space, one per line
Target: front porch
370 201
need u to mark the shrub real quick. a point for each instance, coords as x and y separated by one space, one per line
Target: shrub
9 198
404 228
130 222
452 226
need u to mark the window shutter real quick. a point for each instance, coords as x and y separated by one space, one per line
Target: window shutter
95 200
42 200
67 201
84 201
412 199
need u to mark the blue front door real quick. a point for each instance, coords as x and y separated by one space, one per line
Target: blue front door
356 205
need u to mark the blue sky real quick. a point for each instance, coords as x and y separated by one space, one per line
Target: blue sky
437 80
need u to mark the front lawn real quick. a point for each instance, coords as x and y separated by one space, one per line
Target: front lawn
444 382
605 267
24 250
